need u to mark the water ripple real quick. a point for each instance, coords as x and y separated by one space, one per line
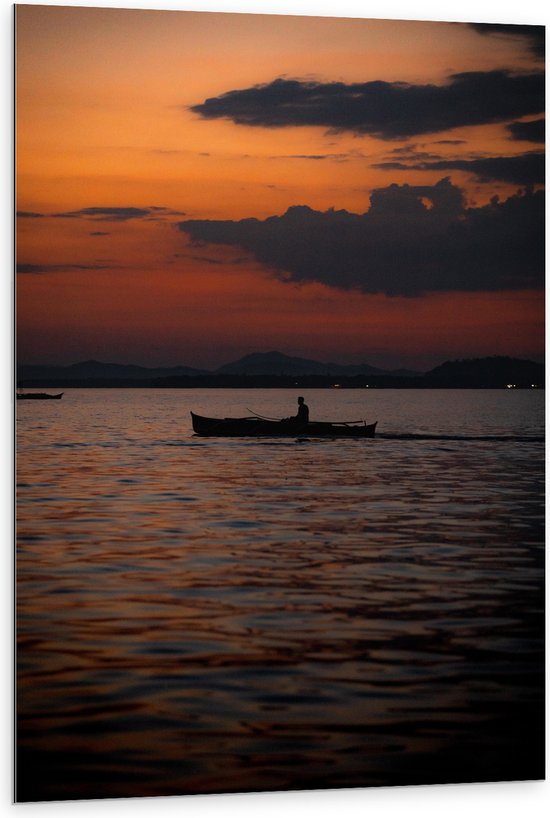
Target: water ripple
224 615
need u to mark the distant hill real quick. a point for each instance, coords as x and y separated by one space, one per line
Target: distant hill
276 363
97 371
274 369
494 372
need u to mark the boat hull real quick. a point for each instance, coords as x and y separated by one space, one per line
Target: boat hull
258 427
39 396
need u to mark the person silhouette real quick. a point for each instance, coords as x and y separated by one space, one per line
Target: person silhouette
303 411
302 417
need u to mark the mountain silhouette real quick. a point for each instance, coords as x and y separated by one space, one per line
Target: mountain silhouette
276 363
99 370
275 369
493 372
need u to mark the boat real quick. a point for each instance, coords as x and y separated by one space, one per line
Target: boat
255 426
38 396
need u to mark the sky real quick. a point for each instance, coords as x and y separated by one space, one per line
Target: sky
193 187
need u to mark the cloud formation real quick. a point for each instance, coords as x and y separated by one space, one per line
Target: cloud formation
59 268
107 214
533 35
334 157
118 214
413 239
533 131
212 260
525 169
388 110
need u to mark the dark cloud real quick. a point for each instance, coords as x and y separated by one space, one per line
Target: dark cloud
404 149
211 260
533 131
335 157
534 36
107 214
120 214
413 239
388 110
99 233
161 212
450 142
314 156
525 169
411 152
30 268
59 268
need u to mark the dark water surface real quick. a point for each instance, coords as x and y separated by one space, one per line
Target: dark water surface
206 615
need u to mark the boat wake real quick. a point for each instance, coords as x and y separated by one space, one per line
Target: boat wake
467 438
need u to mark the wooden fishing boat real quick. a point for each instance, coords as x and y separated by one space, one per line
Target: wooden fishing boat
255 426
38 396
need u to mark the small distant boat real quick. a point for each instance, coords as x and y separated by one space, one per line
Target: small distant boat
256 426
38 396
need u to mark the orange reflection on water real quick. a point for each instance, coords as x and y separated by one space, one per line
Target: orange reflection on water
203 615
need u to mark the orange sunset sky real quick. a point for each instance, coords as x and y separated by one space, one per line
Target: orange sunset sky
193 187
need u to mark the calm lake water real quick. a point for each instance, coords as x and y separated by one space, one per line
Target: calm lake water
200 615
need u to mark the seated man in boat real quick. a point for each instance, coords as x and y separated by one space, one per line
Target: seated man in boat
303 413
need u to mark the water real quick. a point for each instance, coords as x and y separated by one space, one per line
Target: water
216 615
